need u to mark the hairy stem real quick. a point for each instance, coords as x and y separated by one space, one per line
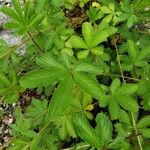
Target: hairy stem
133 120
136 131
118 60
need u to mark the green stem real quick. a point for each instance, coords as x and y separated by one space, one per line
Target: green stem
133 120
118 60
125 77
34 41
78 147
136 131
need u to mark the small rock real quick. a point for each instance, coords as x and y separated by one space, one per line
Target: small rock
10 121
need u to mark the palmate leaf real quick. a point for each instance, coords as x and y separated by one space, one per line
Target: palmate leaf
88 84
38 78
104 128
37 110
85 131
61 98
21 17
23 126
37 107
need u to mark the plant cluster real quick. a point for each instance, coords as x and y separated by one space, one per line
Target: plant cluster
89 63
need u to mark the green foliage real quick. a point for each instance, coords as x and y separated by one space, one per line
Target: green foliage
99 137
135 58
23 20
120 97
85 74
91 39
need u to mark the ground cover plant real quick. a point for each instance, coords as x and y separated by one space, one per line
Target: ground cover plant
87 67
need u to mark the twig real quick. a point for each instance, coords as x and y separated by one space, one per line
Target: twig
37 45
135 128
133 120
125 77
118 60
133 135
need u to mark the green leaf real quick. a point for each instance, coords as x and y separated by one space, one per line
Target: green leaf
19 143
38 78
104 128
61 98
13 25
102 36
132 50
66 127
88 68
116 143
105 10
124 117
127 89
88 85
77 42
145 53
4 80
11 98
17 6
27 9
128 103
37 107
87 31
49 61
9 12
83 54
34 19
97 50
144 122
85 131
23 126
34 143
115 85
145 132
114 109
